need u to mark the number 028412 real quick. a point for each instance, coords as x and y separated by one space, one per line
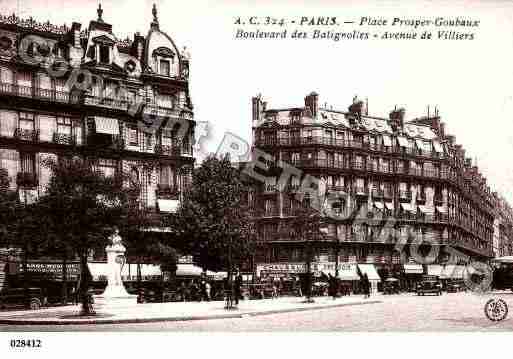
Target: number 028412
25 343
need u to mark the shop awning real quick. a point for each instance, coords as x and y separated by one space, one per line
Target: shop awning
413 269
389 205
378 205
387 141
403 142
168 205
217 275
425 209
441 209
99 271
452 271
407 207
370 270
435 269
188 270
438 147
347 271
108 126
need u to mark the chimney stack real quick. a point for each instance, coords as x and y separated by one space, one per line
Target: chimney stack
397 117
312 102
258 108
75 33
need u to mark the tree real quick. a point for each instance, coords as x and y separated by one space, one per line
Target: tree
7 205
306 227
213 221
81 207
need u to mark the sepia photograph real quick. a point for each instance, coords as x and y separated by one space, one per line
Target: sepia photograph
249 166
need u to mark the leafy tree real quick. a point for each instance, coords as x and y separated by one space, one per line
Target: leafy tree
81 207
306 227
213 221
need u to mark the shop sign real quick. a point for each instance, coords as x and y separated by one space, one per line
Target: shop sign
51 270
301 267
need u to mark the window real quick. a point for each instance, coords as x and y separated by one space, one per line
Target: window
166 137
147 141
164 67
167 176
28 163
107 167
64 125
26 121
104 54
295 157
133 136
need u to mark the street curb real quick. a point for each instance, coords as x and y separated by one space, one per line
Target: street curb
177 319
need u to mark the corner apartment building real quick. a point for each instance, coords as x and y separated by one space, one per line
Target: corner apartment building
122 104
410 174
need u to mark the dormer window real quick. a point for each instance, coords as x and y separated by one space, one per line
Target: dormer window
164 67
104 54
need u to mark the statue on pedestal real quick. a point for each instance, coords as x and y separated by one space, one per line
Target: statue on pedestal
115 290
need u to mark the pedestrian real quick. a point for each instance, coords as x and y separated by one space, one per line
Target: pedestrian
207 290
367 286
238 287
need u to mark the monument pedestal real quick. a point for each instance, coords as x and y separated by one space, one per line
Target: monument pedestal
115 294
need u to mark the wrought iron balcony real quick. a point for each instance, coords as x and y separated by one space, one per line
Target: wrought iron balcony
26 179
39 93
26 135
168 150
64 138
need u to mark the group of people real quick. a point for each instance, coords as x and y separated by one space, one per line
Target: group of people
195 291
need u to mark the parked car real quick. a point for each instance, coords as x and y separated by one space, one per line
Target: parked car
15 298
429 286
455 286
391 286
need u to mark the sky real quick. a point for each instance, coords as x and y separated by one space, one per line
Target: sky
470 82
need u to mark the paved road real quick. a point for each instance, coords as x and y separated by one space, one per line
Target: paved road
407 312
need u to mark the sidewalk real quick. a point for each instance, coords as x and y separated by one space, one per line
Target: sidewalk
177 311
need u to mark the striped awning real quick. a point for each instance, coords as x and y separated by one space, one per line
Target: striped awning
105 125
370 270
188 270
434 269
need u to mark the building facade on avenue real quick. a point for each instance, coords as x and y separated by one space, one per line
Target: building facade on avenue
411 175
83 89
123 105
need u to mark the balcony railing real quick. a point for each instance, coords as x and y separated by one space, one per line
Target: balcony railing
112 103
26 179
26 135
64 138
156 110
39 93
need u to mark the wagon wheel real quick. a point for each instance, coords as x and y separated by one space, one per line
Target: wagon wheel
496 309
